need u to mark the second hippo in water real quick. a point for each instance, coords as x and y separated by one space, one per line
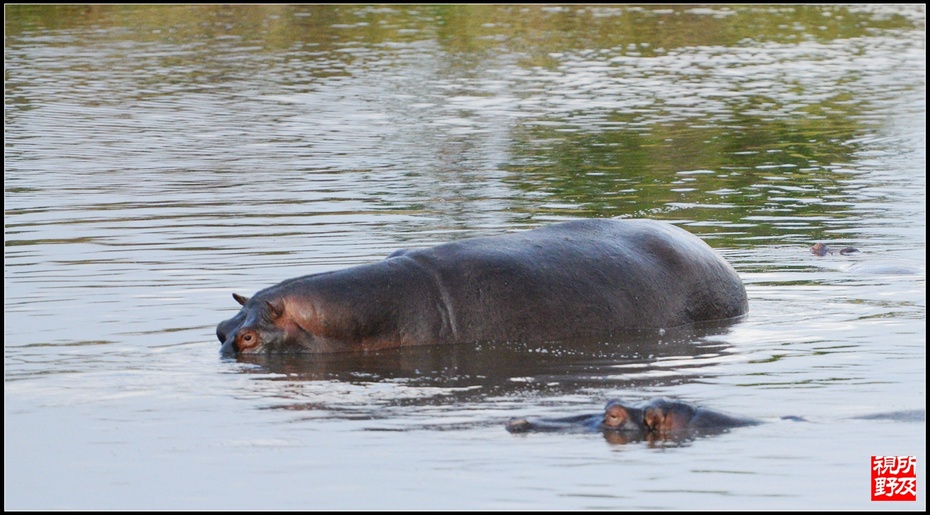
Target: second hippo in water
581 280
871 268
820 249
657 419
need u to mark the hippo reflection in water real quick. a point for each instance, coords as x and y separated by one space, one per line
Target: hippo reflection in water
657 419
591 279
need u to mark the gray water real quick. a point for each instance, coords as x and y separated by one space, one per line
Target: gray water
159 158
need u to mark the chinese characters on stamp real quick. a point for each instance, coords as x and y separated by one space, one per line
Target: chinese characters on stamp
894 478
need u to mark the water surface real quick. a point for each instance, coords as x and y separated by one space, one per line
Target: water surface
158 158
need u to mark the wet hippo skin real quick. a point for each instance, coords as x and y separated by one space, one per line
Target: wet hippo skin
584 279
668 416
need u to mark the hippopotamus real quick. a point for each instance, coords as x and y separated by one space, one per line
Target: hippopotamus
820 249
593 279
874 268
659 418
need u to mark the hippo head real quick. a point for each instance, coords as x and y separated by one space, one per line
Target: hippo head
260 326
619 417
663 416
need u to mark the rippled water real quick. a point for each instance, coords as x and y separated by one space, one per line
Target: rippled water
158 158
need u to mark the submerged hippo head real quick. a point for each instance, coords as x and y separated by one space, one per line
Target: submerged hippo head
820 249
619 417
663 416
654 421
261 325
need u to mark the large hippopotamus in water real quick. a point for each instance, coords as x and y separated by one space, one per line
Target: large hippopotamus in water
656 419
590 279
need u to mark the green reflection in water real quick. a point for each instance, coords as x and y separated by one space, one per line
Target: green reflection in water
537 30
763 153
721 174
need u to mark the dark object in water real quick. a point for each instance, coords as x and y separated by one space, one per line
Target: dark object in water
916 415
657 419
819 249
663 420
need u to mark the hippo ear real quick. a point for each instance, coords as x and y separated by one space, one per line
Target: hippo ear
240 299
653 418
277 307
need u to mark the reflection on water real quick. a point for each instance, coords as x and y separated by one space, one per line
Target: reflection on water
158 158
469 373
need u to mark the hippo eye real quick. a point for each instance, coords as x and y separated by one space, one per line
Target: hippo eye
248 340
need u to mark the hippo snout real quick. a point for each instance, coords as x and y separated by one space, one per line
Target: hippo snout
226 333
229 327
229 347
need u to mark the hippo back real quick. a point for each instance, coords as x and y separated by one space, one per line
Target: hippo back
581 279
